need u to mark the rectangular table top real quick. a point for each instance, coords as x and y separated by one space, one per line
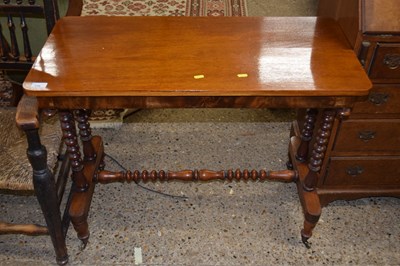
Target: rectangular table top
196 56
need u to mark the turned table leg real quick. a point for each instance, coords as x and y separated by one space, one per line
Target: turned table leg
80 183
83 170
82 117
314 166
85 132
306 135
307 131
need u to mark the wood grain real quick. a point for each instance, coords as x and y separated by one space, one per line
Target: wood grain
27 116
26 229
160 56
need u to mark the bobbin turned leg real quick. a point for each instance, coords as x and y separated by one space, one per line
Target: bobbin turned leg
80 183
312 210
83 171
90 150
306 134
302 151
43 179
85 133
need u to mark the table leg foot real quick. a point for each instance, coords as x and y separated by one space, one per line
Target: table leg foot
304 239
62 261
306 232
84 243
81 227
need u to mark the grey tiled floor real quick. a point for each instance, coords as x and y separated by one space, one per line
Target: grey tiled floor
219 223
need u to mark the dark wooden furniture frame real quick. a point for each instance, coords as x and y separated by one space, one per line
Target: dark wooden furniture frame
217 62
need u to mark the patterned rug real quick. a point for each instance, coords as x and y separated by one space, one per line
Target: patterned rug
165 7
5 91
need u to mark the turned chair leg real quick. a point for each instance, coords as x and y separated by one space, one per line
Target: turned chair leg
43 179
46 193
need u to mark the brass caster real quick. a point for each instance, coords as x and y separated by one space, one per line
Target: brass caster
307 244
62 261
83 243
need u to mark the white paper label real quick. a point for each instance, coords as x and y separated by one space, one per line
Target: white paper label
39 85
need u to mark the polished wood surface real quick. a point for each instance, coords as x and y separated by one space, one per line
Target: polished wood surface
375 10
346 13
27 116
170 56
105 177
26 229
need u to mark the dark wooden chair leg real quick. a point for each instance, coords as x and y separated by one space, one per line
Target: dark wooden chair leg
45 189
43 179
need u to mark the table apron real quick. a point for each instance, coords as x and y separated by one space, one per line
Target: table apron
109 102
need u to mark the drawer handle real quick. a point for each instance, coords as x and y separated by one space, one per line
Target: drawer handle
378 98
366 135
355 170
392 61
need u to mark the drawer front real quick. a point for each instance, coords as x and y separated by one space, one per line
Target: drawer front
363 171
381 100
369 135
385 63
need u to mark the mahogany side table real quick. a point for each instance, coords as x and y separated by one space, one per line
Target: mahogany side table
186 62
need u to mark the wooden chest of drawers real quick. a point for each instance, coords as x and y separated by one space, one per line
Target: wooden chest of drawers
363 158
368 136
383 101
382 63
